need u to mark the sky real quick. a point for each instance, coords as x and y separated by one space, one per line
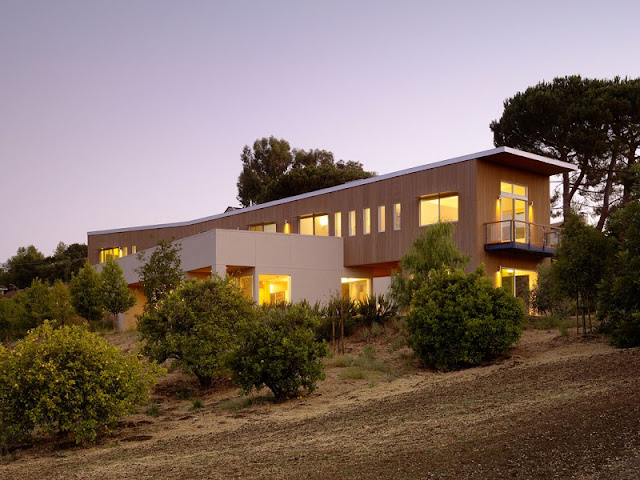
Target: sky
126 113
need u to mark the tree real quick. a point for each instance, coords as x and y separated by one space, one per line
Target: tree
278 350
68 380
195 325
116 296
86 295
24 266
161 273
435 249
459 319
271 171
61 306
65 261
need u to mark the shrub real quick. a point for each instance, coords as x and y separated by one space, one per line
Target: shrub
377 309
459 319
68 380
625 333
324 326
278 350
195 325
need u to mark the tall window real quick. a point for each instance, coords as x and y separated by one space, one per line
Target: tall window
397 211
366 221
263 227
438 208
337 224
352 223
382 225
315 225
513 212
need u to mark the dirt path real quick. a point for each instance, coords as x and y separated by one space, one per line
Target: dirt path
557 408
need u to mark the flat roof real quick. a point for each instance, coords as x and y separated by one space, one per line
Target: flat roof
501 155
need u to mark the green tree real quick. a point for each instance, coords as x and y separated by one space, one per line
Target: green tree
271 171
86 295
195 325
65 261
116 296
24 267
60 303
434 250
12 314
278 349
459 319
161 273
68 380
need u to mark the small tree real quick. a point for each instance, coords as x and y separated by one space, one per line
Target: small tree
68 380
161 273
459 319
278 350
195 325
86 295
116 296
434 249
61 307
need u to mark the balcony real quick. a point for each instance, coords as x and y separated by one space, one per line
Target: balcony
515 236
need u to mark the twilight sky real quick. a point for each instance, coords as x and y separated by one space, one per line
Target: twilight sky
124 113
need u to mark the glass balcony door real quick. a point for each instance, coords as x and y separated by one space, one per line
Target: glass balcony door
513 213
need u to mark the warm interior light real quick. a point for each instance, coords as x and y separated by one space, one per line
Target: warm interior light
287 227
323 220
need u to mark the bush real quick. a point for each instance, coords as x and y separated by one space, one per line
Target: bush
377 309
278 350
459 319
324 326
195 325
625 333
68 380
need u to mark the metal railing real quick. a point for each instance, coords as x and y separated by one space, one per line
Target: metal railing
516 232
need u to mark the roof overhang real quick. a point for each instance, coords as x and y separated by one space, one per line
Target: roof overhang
528 161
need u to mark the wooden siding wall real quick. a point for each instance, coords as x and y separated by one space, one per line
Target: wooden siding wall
476 181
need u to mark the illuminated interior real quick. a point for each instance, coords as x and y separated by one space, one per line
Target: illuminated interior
338 224
274 289
263 227
287 227
366 221
513 207
246 286
397 211
517 282
439 208
357 289
382 224
315 225
352 223
107 254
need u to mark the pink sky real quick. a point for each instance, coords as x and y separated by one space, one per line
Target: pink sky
116 114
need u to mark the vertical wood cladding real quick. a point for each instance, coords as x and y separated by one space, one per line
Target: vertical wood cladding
477 183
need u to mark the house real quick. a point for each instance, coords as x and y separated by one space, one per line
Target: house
349 238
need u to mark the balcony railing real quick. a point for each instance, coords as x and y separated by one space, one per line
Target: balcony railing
518 236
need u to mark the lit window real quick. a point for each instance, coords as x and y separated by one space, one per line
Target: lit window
337 219
356 289
352 223
263 227
382 224
315 225
107 254
513 188
366 221
134 249
274 289
397 211
439 208
246 286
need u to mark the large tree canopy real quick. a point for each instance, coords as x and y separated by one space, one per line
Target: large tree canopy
594 124
272 170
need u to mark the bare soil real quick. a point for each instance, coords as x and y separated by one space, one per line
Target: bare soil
557 407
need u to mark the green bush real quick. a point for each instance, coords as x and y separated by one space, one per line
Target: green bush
195 325
459 319
377 309
331 313
278 350
68 380
625 333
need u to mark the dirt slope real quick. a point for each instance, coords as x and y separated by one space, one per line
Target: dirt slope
557 408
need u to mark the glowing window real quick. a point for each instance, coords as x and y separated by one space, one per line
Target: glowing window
397 211
246 286
357 289
352 223
263 227
337 220
107 254
381 218
366 221
438 208
315 225
274 289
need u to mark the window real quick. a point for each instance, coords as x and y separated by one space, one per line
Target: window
246 286
315 225
112 253
517 282
274 289
337 224
438 208
366 221
397 210
381 218
263 227
352 223
357 289
513 212
134 249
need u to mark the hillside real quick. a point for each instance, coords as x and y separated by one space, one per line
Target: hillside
558 407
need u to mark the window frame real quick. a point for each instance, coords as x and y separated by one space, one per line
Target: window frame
438 197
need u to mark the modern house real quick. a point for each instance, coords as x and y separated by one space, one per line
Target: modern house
350 238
